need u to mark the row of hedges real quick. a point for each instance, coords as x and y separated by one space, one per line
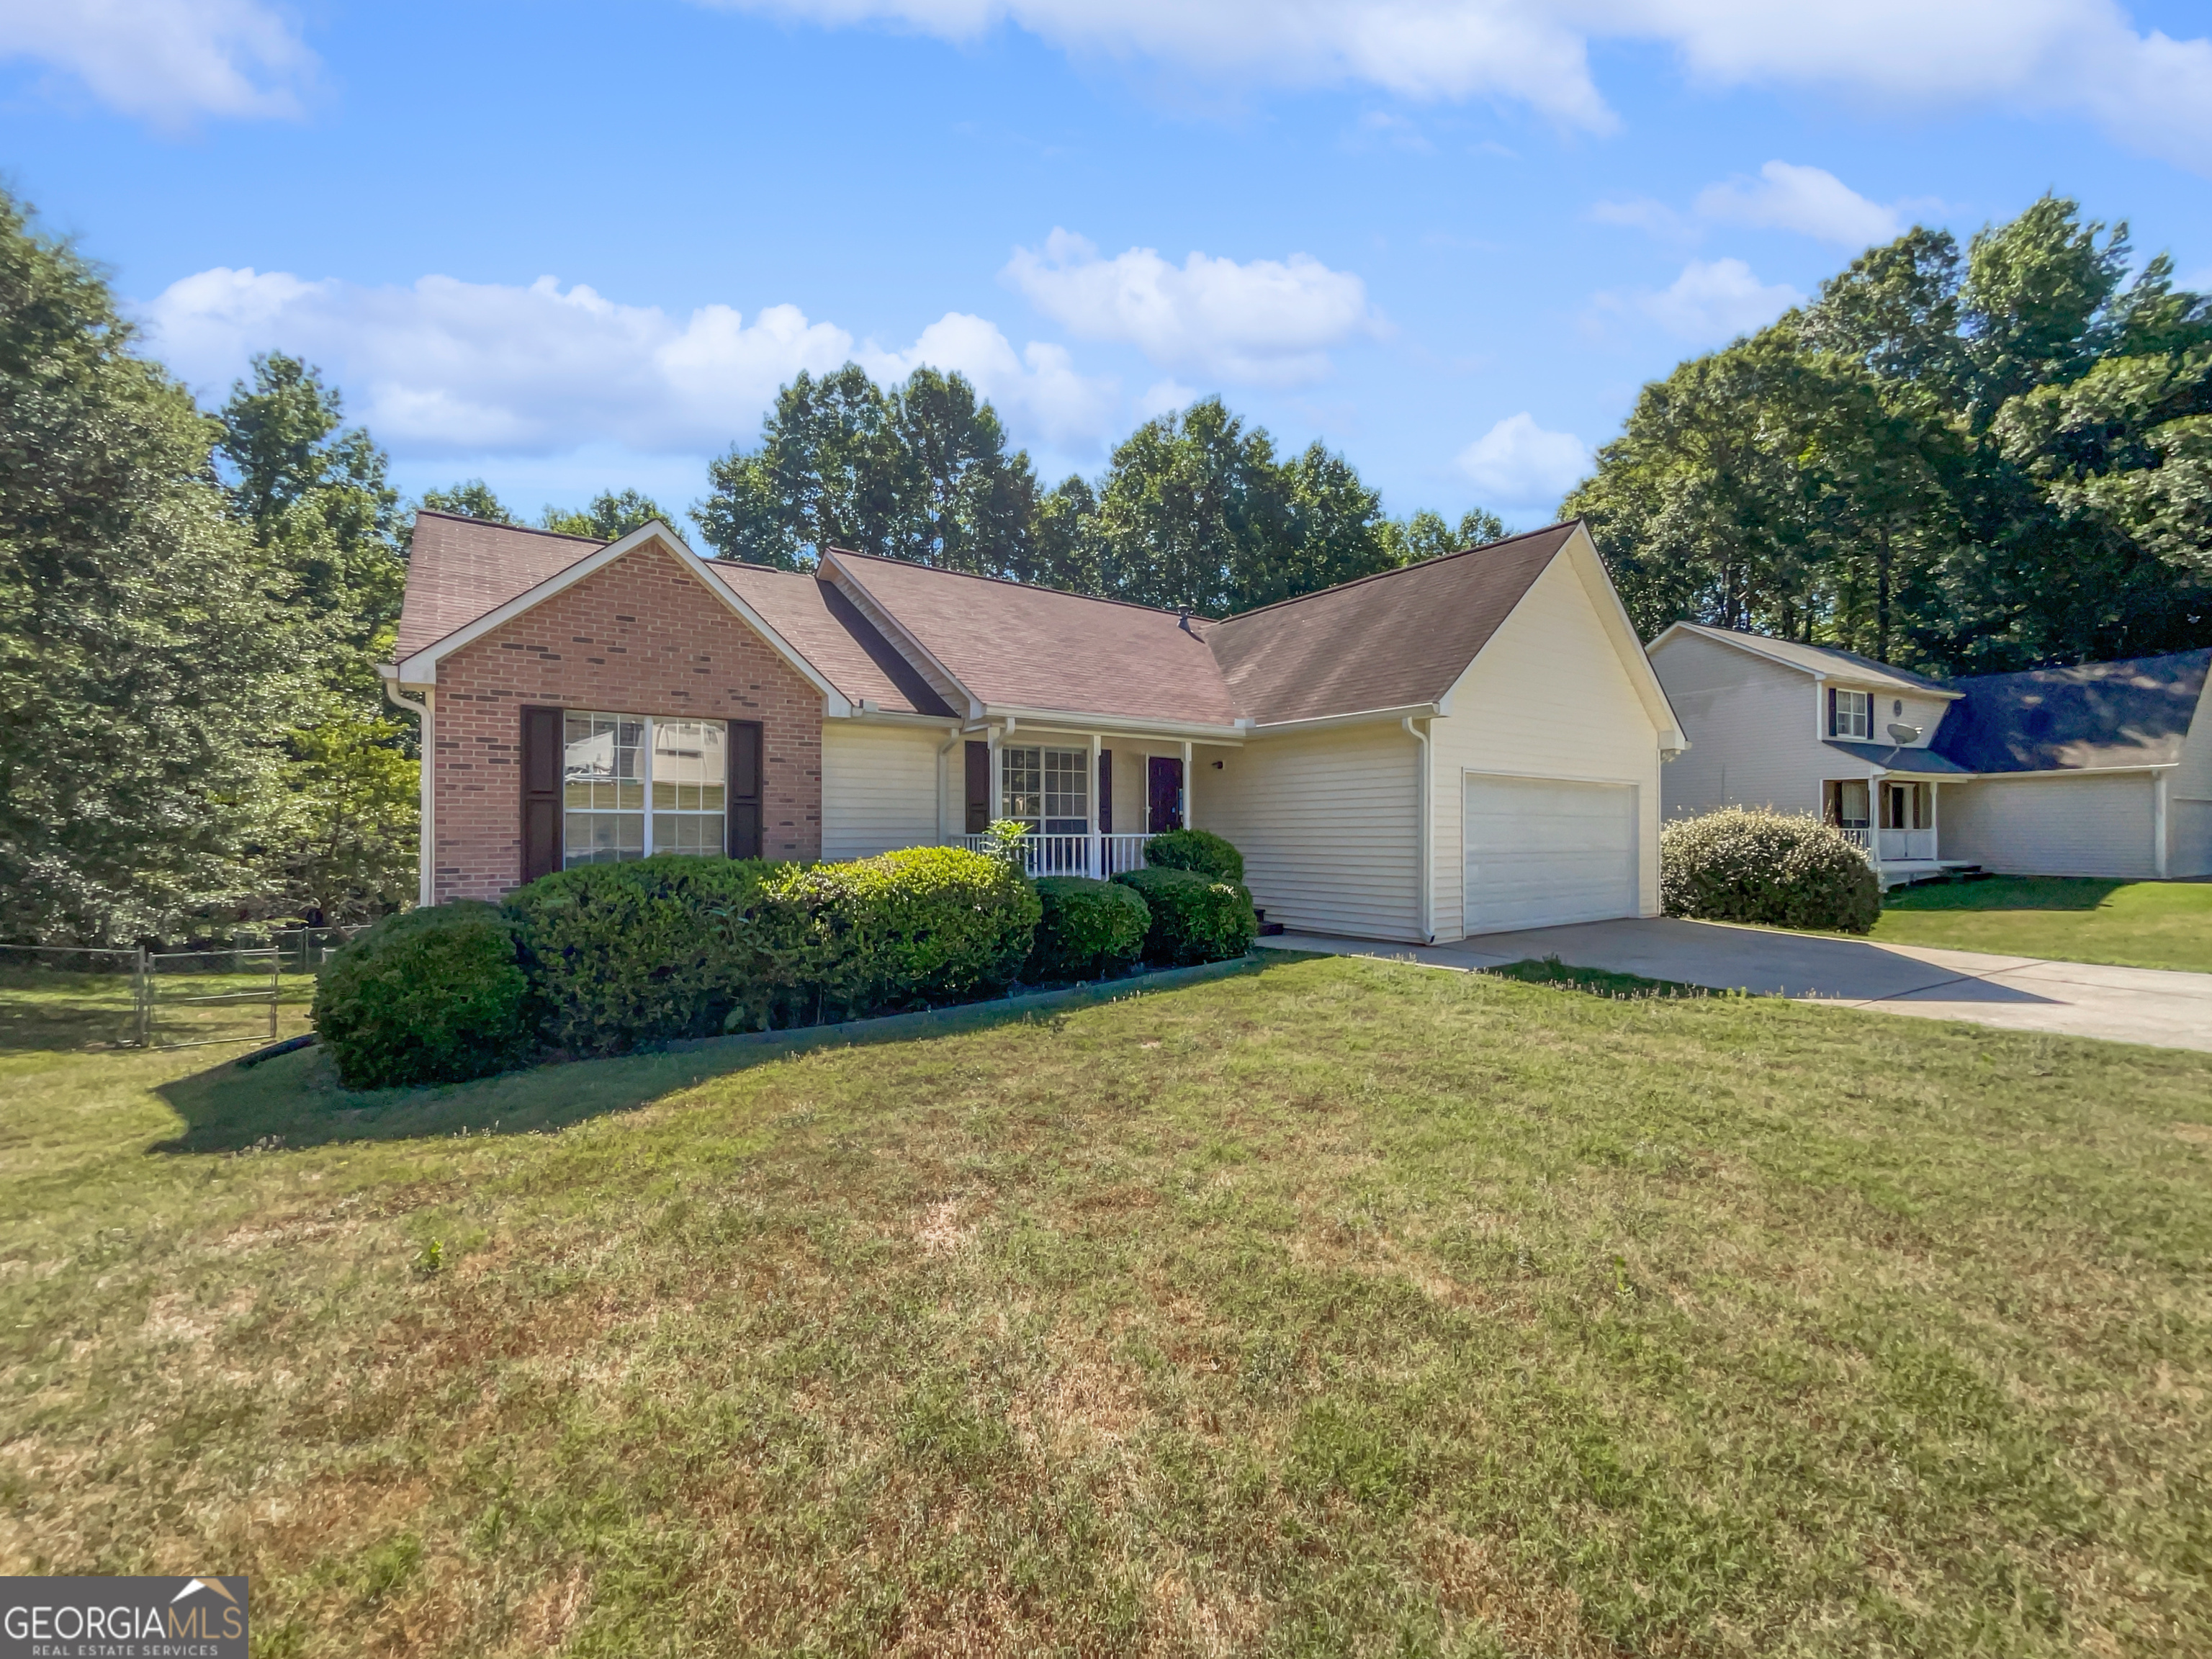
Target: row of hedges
599 959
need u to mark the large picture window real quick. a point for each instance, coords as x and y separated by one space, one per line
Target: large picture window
1047 789
633 785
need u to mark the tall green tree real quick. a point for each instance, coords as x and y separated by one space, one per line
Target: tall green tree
339 840
828 473
609 517
1195 514
961 501
1964 462
143 668
471 498
1427 535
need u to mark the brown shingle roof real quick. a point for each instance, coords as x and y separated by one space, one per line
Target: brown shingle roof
1383 641
823 626
1018 646
1390 641
462 567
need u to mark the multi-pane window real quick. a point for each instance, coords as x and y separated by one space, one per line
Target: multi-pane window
1047 789
1854 713
615 764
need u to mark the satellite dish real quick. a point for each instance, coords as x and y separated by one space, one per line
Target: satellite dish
1904 734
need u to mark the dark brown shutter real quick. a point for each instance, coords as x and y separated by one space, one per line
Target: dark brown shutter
745 803
1105 792
541 744
1833 727
979 787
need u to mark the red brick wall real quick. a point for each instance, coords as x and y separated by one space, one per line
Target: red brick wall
640 637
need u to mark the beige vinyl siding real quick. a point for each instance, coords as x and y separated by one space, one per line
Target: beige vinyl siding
1755 731
879 787
1325 822
1549 698
2086 825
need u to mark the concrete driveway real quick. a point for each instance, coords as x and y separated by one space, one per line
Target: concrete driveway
2022 994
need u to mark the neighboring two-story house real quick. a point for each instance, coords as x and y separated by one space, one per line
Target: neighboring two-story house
2103 769
1466 744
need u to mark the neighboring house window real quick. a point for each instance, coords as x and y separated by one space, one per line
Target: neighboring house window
1846 803
614 764
1045 788
1851 713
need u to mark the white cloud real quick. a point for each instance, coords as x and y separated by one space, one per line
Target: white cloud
1038 391
167 61
1517 464
1808 200
447 367
2081 57
1266 323
1712 301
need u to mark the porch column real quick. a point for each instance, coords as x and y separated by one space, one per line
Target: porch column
1874 825
992 736
1095 853
1935 823
1183 806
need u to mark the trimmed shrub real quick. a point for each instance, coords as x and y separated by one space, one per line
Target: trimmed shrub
1193 919
433 995
1200 851
1089 928
926 924
1784 871
672 946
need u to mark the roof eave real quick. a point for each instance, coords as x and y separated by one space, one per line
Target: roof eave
1133 725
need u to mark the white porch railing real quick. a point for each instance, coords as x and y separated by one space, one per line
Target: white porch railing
1861 839
1098 856
1906 845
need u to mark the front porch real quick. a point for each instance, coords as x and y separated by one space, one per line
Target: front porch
1905 846
1088 800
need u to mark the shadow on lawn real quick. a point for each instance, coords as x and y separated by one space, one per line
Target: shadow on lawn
2007 893
295 1099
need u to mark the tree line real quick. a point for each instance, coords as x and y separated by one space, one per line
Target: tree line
1195 510
1961 461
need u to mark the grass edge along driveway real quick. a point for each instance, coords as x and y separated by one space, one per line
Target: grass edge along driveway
1339 1306
2130 924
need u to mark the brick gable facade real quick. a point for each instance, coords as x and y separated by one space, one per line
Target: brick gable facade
640 637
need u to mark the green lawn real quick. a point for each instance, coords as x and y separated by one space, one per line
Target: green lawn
1341 1306
2136 924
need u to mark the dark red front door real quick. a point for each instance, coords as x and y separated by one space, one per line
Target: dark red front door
1163 777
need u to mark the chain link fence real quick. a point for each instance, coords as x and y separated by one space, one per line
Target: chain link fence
94 997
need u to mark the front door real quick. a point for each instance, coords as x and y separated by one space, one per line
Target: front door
1164 791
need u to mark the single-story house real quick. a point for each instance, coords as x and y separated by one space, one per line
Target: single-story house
1469 744
2103 769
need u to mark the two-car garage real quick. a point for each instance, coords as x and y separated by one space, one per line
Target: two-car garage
1543 852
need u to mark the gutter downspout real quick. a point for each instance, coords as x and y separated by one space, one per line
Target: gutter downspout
426 769
1422 861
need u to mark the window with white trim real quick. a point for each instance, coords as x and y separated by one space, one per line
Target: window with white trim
616 766
1854 713
1047 789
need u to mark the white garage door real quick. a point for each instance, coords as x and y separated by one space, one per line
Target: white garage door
1541 853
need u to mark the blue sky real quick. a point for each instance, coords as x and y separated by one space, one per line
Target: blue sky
565 246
